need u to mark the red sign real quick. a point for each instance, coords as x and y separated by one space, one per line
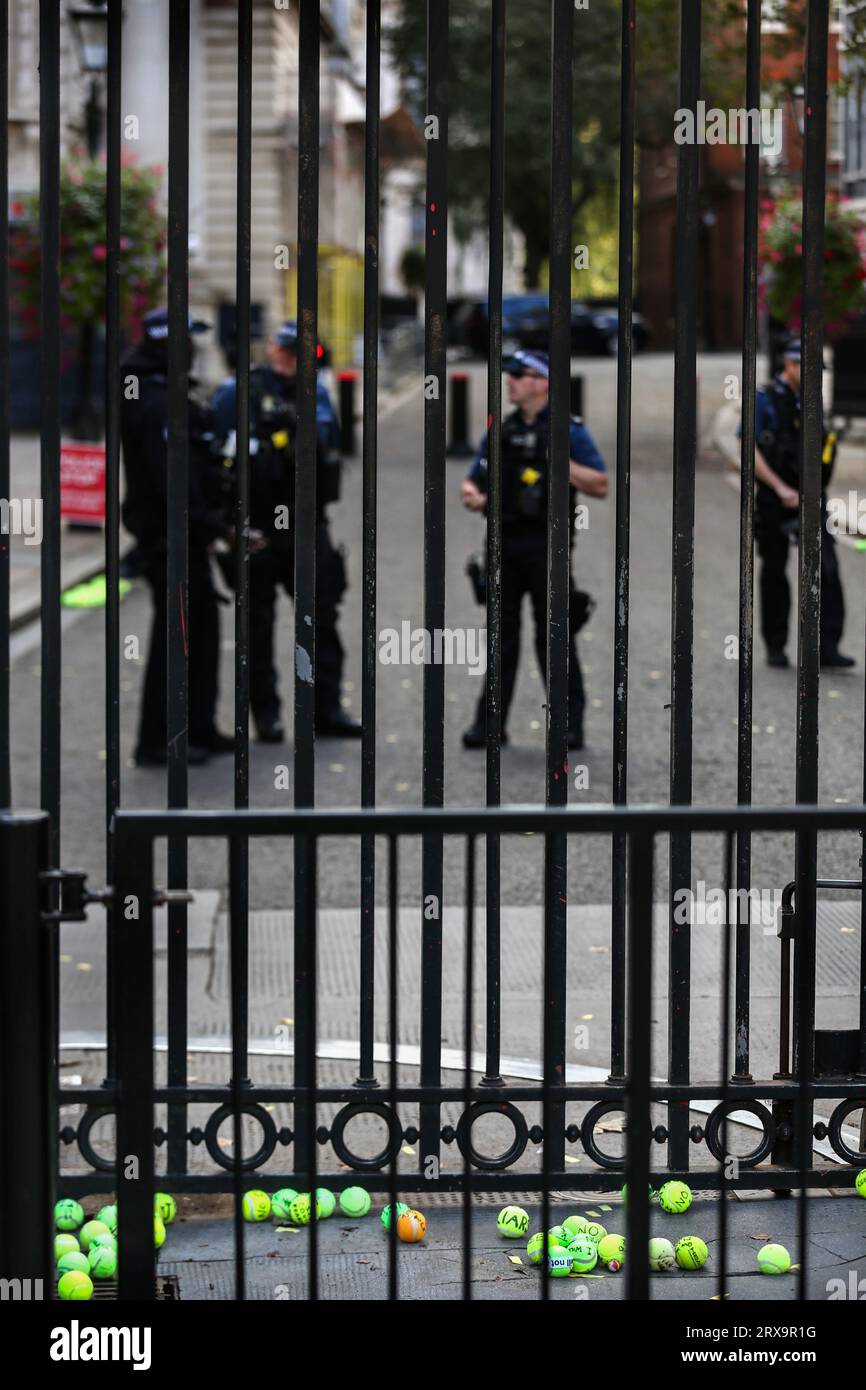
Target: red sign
82 482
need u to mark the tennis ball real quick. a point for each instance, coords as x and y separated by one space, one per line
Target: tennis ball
512 1222
675 1196
158 1232
773 1259
860 1183
558 1263
300 1209
165 1207
535 1248
68 1214
691 1252
355 1201
574 1226
65 1245
75 1285
624 1193
661 1254
386 1214
103 1262
595 1231
411 1226
326 1203
281 1201
89 1230
106 1239
108 1217
584 1254
611 1249
73 1259
257 1205
559 1234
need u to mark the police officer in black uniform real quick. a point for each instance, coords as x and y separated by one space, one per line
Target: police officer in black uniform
273 430
525 439
144 436
777 469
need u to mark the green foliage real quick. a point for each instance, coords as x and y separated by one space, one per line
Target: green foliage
781 256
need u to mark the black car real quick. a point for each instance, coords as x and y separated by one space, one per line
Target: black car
525 323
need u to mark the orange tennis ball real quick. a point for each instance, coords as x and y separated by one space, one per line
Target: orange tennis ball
412 1226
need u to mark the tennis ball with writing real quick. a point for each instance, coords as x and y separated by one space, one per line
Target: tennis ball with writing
68 1214
64 1245
584 1254
103 1238
691 1252
535 1247
73 1259
75 1285
386 1214
558 1262
860 1183
326 1203
611 1250
108 1217
574 1226
624 1193
595 1231
281 1202
412 1226
559 1234
158 1232
257 1205
355 1201
89 1230
103 1261
773 1259
165 1207
300 1210
661 1254
675 1196
512 1222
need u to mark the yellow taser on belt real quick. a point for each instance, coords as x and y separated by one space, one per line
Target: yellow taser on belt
280 439
829 448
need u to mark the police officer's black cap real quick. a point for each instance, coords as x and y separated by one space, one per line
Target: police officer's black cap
286 335
155 325
527 360
793 349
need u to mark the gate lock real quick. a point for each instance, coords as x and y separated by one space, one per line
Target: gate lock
75 896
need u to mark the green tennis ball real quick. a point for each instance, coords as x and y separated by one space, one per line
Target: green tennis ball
281 1201
535 1247
595 1231
89 1230
326 1203
355 1201
68 1214
611 1249
860 1183
386 1214
108 1217
691 1252
75 1285
558 1262
65 1245
675 1196
661 1254
103 1262
624 1193
299 1210
103 1239
558 1234
158 1232
256 1205
512 1222
73 1259
165 1207
584 1254
574 1226
773 1259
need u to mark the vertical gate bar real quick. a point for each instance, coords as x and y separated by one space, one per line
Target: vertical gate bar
682 564
113 118
547 984
366 1030
28 1110
239 846
135 1117
747 539
305 498
558 551
725 1051
433 768
177 563
238 1006
309 854
468 985
639 955
809 624
494 535
393 1001
623 532
49 411
5 478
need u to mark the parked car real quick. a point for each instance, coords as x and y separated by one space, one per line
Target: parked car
525 323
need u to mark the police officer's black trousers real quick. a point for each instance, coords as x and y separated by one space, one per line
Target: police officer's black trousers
524 571
270 570
775 590
201 623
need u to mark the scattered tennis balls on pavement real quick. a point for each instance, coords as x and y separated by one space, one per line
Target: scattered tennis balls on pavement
860 1183
691 1252
584 1254
386 1214
73 1259
675 1196
611 1251
89 1230
326 1203
300 1209
558 1262
595 1231
535 1247
64 1245
512 1222
281 1202
355 1201
256 1205
662 1255
574 1226
411 1226
773 1259
75 1285
68 1214
158 1232
103 1261
165 1207
108 1217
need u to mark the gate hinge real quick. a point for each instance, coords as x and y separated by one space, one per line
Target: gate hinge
74 895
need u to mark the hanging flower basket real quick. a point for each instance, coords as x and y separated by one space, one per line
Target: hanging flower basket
781 257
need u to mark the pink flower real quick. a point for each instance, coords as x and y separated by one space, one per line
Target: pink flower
99 252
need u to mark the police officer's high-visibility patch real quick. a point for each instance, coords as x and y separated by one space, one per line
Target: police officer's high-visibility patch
530 476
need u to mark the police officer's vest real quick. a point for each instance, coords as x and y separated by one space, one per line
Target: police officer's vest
524 473
780 444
